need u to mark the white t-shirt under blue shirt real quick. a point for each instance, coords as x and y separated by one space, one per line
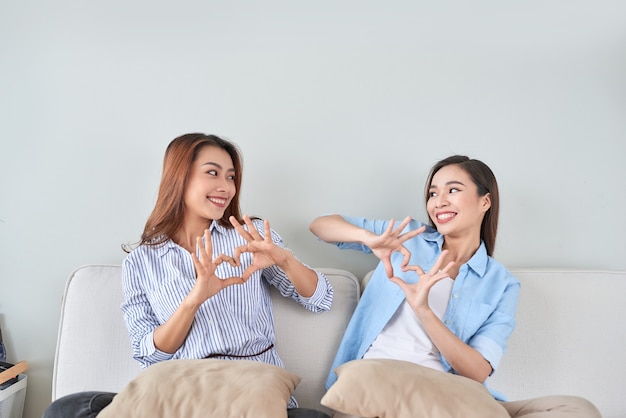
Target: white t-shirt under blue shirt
404 337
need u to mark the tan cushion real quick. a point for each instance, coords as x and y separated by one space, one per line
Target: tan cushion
205 388
399 389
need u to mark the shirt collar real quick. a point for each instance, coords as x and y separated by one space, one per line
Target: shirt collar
162 249
479 260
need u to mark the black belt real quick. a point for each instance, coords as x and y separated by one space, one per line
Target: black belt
236 356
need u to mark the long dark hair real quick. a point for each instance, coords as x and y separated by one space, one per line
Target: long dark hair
485 181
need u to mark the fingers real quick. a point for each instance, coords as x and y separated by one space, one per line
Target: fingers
204 251
403 225
232 280
200 252
411 234
446 268
226 258
196 263
240 229
252 229
249 271
437 266
238 251
399 282
406 257
251 234
208 244
398 231
267 231
389 230
416 269
388 267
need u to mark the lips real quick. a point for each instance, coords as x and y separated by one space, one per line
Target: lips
445 217
219 201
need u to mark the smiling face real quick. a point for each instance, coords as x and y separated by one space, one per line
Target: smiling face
211 185
454 205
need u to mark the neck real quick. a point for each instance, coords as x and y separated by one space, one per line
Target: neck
189 232
461 249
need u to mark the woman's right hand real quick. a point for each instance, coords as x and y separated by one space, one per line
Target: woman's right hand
390 241
207 283
417 293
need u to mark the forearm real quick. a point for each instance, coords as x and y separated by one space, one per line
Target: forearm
303 278
171 335
334 228
465 360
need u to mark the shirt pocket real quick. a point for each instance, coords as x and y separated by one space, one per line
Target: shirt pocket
477 316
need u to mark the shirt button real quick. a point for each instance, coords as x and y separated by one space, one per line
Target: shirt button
455 295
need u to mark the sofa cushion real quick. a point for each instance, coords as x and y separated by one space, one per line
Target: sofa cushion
306 342
205 388
399 389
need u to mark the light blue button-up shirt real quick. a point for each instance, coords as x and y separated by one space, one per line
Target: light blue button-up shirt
482 306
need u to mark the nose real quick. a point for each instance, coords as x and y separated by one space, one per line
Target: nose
440 200
224 185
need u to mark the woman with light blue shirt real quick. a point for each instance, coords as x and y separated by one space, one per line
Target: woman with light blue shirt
438 298
197 285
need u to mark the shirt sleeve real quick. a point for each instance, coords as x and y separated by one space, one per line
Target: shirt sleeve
320 301
377 226
491 338
139 317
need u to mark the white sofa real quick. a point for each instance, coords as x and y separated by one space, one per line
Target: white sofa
569 337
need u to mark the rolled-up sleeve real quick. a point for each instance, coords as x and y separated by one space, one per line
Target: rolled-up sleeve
322 299
139 318
491 339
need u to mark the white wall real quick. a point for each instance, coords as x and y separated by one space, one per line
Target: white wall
339 106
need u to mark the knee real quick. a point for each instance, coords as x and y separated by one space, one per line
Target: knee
584 407
78 405
574 406
553 406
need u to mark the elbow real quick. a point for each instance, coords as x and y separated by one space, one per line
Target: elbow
321 225
484 372
478 372
316 226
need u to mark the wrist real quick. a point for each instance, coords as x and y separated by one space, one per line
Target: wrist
423 312
286 256
367 237
191 303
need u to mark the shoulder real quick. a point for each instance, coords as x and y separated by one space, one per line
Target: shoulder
497 270
144 253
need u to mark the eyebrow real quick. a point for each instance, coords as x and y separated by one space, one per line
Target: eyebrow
217 165
433 186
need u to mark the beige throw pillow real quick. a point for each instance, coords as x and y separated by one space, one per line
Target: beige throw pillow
205 388
399 389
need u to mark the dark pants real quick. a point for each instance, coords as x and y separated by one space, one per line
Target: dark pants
88 404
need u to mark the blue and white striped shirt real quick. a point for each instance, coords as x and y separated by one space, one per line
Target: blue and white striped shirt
238 320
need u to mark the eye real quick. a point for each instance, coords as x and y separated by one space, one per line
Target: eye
454 190
232 178
432 194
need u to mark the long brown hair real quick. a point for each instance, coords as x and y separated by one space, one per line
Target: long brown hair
485 181
167 216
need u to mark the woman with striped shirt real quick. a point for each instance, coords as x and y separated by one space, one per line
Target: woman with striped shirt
197 285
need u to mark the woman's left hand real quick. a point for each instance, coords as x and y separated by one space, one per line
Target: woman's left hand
264 252
417 293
